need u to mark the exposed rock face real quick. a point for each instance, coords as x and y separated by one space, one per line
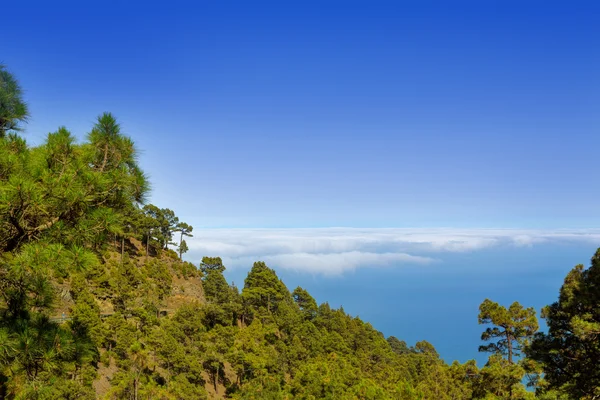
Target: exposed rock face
185 291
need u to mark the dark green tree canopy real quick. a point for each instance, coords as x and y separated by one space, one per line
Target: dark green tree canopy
59 203
263 289
162 225
215 285
424 347
570 351
398 346
211 264
184 230
307 304
512 327
13 109
183 248
67 192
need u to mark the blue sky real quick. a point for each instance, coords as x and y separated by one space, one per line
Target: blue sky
300 114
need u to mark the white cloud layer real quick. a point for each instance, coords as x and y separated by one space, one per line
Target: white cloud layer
333 251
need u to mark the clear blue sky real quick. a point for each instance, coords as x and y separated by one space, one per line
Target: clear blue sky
332 113
291 114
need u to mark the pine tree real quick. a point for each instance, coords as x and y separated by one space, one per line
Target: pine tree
570 351
512 327
13 110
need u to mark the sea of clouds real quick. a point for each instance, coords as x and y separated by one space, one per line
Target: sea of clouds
333 251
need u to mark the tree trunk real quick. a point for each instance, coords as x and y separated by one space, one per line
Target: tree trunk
510 349
180 240
216 378
105 159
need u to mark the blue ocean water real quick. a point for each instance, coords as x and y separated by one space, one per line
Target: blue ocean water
439 302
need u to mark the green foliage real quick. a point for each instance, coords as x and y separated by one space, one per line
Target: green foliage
13 109
209 264
500 379
569 352
216 288
71 221
61 192
183 248
305 302
263 291
398 346
512 328
164 224
184 230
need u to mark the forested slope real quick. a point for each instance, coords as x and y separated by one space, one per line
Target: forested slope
94 303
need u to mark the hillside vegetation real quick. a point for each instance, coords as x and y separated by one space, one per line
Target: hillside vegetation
94 303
